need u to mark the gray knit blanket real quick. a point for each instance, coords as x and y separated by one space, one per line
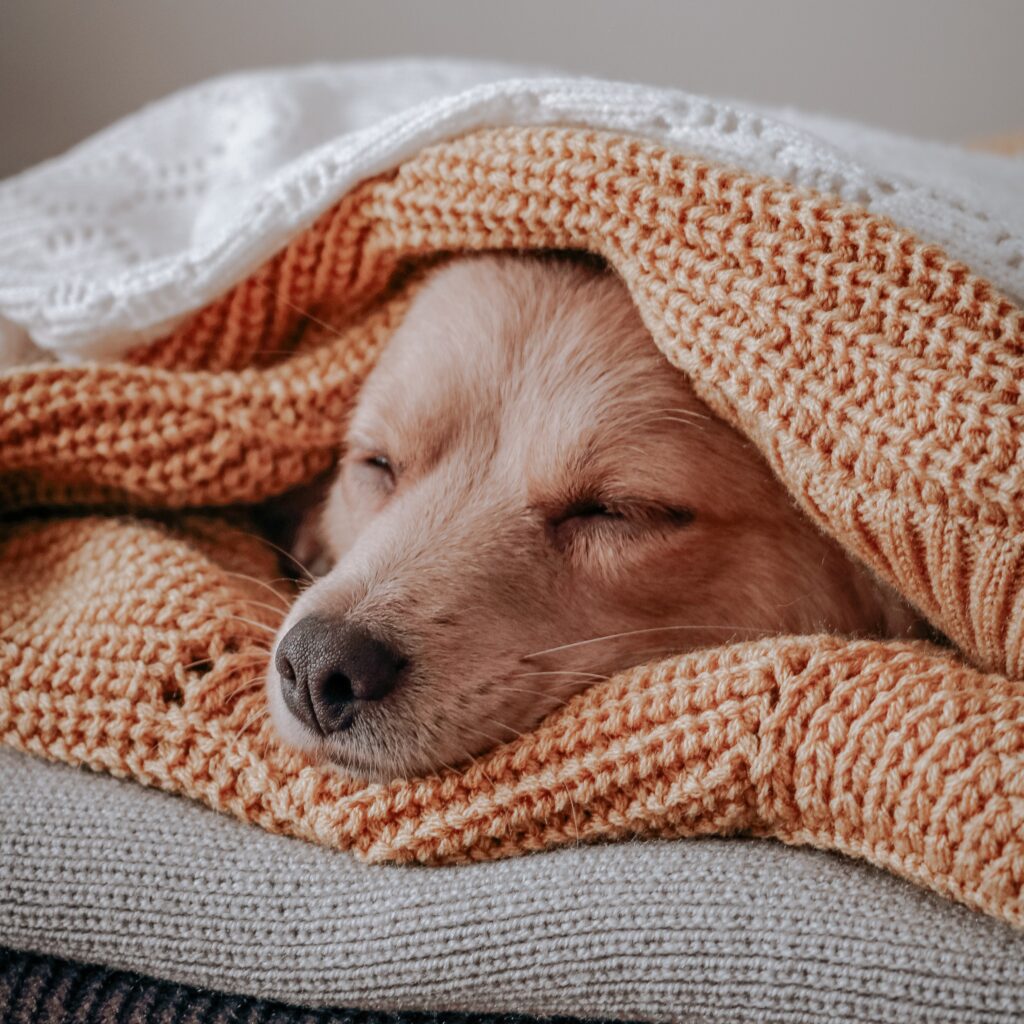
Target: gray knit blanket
104 871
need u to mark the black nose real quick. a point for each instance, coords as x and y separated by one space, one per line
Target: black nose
328 664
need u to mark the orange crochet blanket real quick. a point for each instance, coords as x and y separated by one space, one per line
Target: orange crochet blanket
882 381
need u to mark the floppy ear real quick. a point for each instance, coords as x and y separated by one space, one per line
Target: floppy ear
292 520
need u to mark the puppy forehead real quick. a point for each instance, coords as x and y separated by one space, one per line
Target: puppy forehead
548 346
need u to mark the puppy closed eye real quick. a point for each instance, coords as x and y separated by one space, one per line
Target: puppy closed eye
622 519
375 470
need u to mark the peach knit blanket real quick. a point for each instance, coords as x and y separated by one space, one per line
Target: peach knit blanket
883 382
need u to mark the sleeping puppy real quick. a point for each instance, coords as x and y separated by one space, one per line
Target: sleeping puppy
532 498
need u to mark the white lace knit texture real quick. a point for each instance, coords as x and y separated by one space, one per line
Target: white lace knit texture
117 240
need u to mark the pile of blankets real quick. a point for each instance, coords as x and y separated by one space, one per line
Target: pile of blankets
881 377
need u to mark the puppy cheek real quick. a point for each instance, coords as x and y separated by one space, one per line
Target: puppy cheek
343 519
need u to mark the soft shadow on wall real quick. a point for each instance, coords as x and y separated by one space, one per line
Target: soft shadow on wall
948 69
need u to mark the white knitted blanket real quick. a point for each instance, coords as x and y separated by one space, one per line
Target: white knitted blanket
114 242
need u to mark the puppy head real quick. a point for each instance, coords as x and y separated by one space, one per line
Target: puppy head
531 498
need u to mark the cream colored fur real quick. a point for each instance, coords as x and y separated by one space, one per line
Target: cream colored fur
559 506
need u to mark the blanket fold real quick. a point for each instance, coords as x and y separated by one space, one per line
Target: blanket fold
883 382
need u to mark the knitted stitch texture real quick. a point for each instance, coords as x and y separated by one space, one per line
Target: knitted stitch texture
690 931
883 382
48 990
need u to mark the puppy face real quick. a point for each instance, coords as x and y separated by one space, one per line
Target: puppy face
531 498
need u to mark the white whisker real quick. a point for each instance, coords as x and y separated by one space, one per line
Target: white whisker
560 672
454 771
263 604
503 725
330 328
285 603
575 823
252 622
674 419
683 412
275 547
536 693
487 736
638 632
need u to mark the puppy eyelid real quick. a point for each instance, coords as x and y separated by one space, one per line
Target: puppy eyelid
374 467
383 468
592 508
627 513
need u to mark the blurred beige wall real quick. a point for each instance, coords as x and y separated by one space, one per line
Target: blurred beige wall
948 69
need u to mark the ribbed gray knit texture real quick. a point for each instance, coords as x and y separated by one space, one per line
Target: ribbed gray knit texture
104 871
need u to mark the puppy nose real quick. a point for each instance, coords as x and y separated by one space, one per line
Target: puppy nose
327 664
